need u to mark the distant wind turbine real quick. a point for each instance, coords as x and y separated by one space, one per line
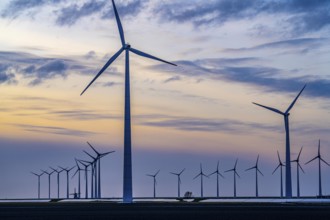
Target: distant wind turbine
85 165
93 174
179 180
218 174
280 165
235 173
257 171
155 181
49 174
38 175
127 182
78 171
201 174
58 180
288 182
298 168
320 159
67 179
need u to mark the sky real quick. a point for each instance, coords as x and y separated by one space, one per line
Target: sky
229 53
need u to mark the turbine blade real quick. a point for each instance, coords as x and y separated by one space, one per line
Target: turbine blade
257 160
75 173
212 173
312 160
93 148
301 168
34 173
197 176
120 27
299 153
235 164
250 169
182 171
276 168
103 69
260 172
319 151
72 168
229 170
269 108
294 101
279 158
325 162
221 175
157 173
237 174
173 173
143 54
89 155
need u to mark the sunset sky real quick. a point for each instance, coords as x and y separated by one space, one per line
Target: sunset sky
229 53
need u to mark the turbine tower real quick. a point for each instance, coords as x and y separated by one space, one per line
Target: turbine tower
179 180
218 174
257 171
38 175
67 179
201 174
320 159
280 165
155 181
99 156
298 168
58 181
127 182
235 173
288 182
78 171
49 174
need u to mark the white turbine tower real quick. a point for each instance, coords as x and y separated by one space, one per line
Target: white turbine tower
218 174
298 168
288 182
320 173
235 174
280 165
257 171
127 182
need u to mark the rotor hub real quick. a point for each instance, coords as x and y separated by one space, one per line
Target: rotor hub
127 46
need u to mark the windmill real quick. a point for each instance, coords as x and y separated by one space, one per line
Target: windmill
257 171
179 180
67 179
85 165
78 171
201 174
155 181
49 174
280 165
38 175
93 174
288 182
58 180
217 173
99 156
127 177
320 159
235 174
298 168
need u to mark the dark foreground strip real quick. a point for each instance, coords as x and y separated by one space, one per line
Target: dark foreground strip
171 211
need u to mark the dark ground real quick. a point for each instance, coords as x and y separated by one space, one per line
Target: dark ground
163 210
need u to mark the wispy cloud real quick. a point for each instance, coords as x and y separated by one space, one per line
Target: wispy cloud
171 79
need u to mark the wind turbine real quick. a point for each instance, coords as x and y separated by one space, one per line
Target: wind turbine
179 180
298 168
235 173
99 156
218 174
288 182
201 174
49 174
320 159
67 179
280 165
78 171
257 171
58 181
127 183
93 174
155 181
84 164
38 175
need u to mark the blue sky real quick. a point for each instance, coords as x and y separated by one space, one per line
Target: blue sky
229 54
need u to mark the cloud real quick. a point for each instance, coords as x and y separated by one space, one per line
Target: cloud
172 79
54 130
5 76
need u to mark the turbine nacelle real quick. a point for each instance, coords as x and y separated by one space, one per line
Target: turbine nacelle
127 46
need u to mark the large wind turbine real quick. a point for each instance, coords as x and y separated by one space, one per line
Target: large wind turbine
179 180
257 171
320 159
298 168
155 181
67 179
127 183
288 182
218 174
49 174
280 165
235 173
38 175
99 156
58 180
201 174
